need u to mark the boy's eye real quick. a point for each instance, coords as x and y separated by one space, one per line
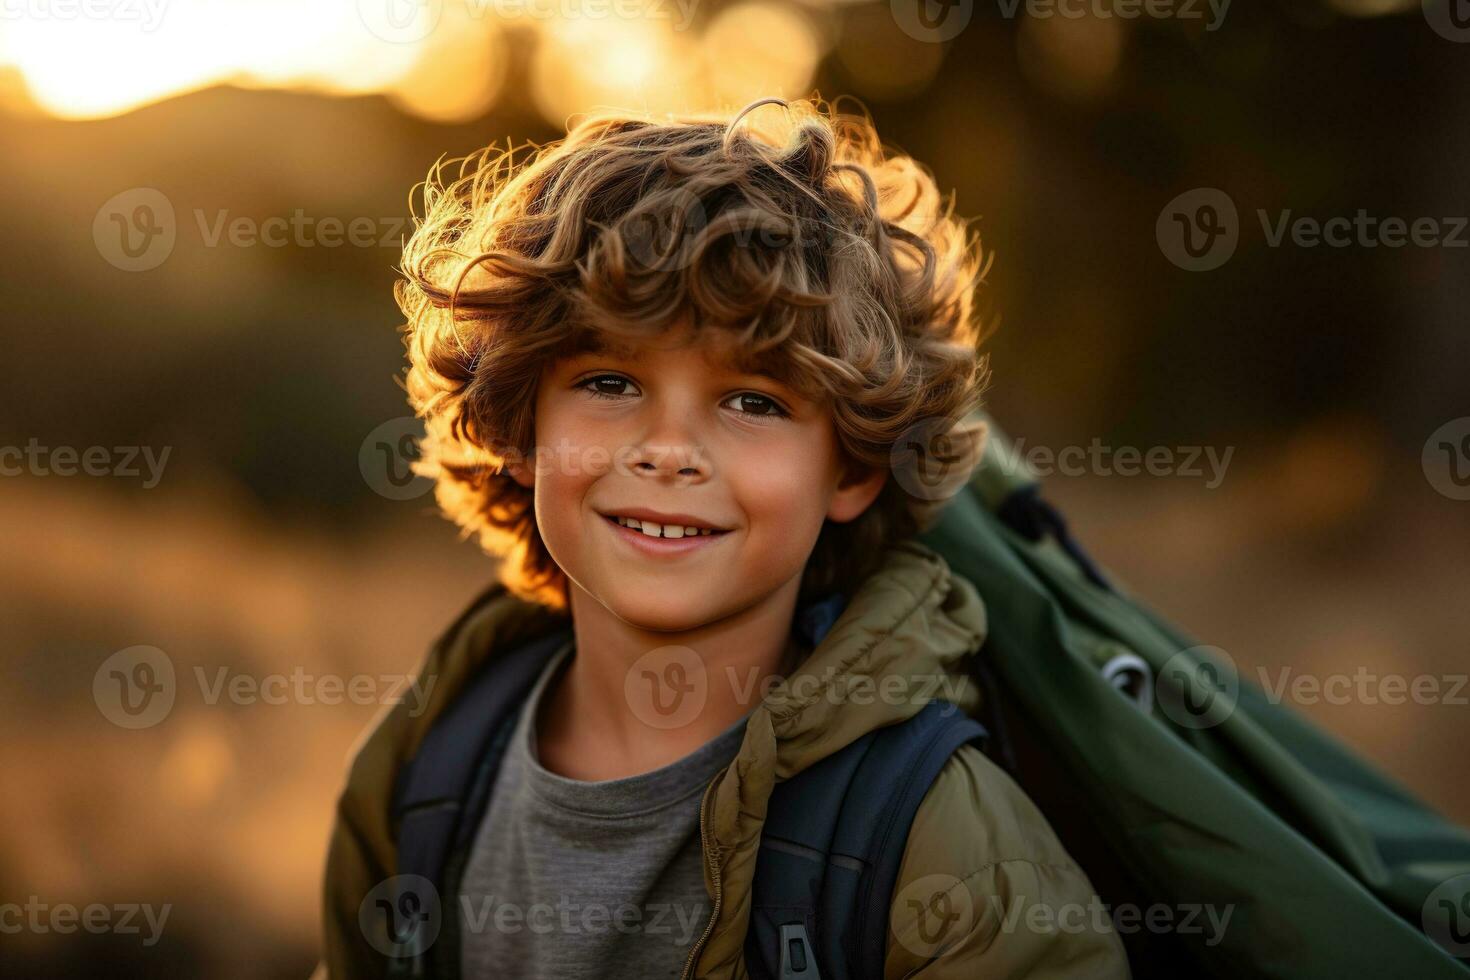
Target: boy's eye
613 386
750 403
605 386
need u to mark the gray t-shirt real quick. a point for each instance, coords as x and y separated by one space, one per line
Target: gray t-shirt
569 879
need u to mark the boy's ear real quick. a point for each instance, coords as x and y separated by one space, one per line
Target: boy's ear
516 468
858 488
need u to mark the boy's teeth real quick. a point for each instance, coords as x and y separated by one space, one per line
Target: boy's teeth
662 530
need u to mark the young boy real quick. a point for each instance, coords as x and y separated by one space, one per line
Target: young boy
664 366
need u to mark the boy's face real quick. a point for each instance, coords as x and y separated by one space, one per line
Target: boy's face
674 429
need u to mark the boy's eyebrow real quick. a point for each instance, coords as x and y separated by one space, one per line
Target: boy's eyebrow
598 344
764 365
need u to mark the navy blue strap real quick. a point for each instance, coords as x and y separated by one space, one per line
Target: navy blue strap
833 842
915 754
432 787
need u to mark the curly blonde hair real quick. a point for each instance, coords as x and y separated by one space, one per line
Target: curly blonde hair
835 261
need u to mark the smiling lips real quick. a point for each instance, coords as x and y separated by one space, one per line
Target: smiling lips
673 536
659 525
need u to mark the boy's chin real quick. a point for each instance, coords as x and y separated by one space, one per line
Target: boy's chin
661 613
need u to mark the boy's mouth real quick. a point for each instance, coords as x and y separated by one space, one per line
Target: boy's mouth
679 526
654 539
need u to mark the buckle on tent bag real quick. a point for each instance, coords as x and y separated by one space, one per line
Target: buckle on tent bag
1130 675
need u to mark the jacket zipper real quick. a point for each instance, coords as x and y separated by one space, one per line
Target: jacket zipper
714 869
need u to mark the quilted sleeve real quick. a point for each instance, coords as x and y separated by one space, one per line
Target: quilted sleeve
986 889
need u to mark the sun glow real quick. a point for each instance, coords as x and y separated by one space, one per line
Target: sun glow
444 60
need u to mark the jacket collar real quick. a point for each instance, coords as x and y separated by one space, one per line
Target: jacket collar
901 641
912 619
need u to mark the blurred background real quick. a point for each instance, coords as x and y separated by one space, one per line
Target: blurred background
203 203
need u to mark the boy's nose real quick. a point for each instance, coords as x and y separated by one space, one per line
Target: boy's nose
682 462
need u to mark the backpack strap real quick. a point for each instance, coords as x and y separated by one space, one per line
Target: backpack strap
832 844
433 787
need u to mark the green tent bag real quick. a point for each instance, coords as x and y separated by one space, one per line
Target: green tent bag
1177 784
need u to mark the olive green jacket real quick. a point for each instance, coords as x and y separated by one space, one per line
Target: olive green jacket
985 889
